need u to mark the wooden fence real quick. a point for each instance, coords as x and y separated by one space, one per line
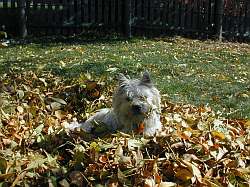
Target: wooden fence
199 18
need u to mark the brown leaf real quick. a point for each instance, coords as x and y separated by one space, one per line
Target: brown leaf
76 178
6 176
183 174
103 159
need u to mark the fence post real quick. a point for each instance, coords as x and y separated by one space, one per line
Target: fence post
127 18
219 10
22 27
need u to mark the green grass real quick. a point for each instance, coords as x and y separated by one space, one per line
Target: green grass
188 71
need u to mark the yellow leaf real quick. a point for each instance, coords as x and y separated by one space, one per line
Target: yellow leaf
218 135
247 123
167 184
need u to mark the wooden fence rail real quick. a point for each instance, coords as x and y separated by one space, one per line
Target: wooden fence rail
199 18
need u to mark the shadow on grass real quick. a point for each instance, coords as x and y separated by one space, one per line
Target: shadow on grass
69 71
51 41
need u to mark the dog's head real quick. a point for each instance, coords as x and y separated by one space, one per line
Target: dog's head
135 99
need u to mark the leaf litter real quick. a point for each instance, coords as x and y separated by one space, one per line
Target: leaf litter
197 147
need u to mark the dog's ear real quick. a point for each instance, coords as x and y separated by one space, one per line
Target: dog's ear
122 79
146 79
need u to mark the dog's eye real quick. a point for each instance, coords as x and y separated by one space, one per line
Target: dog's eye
128 98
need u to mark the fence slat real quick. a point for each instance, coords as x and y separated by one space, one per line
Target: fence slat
127 17
106 11
219 18
189 10
50 18
13 4
5 4
182 14
100 12
86 11
145 11
247 18
112 13
57 15
92 11
77 11
119 16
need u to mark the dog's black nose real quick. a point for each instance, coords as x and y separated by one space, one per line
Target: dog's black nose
137 109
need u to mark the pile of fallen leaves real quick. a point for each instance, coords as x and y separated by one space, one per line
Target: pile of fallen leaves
196 148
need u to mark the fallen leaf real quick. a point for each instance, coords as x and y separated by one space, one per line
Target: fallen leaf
183 174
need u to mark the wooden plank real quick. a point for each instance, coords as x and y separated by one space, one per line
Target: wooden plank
234 18
116 16
82 11
64 17
247 17
57 15
146 11
92 11
22 19
30 17
151 12
185 5
205 18
194 17
164 14
50 18
119 15
112 13
219 18
241 20
176 14
5 4
134 5
182 14
99 11
42 19
199 15
169 15
201 18
152 18
72 17
28 6
157 10
209 12
189 20
139 9
127 18
13 4
86 11
173 14
106 12
77 7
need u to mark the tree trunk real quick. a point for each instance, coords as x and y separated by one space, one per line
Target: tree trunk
219 10
22 27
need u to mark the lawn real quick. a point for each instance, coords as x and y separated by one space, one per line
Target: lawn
205 137
185 71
